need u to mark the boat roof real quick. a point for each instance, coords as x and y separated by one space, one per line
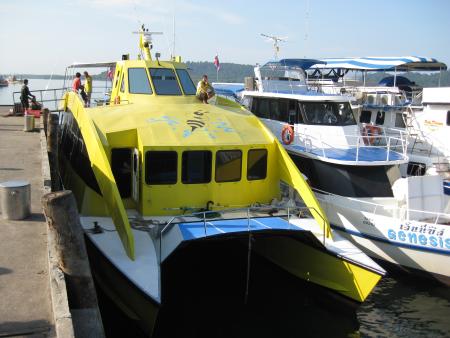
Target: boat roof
192 123
388 63
294 63
92 65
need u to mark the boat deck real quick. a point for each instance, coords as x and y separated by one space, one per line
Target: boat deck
352 154
24 282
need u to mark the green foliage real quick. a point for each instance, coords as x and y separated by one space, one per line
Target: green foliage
421 79
229 72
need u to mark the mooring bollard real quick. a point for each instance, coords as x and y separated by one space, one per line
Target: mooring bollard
52 149
15 197
63 220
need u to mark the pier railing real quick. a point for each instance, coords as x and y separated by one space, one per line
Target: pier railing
50 98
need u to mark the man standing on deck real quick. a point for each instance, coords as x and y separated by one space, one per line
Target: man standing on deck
204 90
76 86
88 88
25 95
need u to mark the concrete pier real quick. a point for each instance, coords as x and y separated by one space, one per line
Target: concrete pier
25 301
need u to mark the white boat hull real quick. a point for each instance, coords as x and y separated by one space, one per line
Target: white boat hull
420 246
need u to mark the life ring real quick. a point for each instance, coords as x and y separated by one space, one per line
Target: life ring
370 134
287 134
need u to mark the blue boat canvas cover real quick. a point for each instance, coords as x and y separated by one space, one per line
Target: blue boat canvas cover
402 63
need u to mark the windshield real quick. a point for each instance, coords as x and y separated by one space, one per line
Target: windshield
165 81
186 82
328 113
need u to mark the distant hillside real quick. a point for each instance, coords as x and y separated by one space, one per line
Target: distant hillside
233 72
229 72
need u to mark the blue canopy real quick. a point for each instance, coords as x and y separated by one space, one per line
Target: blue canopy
403 63
295 63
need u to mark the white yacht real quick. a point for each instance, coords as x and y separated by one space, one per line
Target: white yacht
355 173
396 103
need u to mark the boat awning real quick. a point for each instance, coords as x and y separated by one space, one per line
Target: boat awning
92 65
295 63
373 64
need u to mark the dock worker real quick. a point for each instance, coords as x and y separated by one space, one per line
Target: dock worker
25 95
204 90
88 88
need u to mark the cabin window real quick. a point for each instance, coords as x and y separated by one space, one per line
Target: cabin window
294 112
365 116
257 164
196 167
261 108
122 85
380 118
399 121
448 118
121 169
228 165
186 82
138 81
329 113
165 81
161 167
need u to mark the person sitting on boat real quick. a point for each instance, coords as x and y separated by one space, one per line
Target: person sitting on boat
25 95
78 87
204 90
88 88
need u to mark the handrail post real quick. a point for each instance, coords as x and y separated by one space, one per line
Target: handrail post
204 222
388 148
357 149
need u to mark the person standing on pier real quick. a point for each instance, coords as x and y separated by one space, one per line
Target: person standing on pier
88 88
25 95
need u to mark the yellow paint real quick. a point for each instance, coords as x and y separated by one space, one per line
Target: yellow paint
317 266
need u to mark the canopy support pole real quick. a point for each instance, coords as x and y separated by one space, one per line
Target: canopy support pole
395 77
440 73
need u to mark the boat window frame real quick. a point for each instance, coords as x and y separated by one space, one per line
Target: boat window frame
176 80
240 166
207 166
258 178
448 117
147 167
152 92
181 84
339 122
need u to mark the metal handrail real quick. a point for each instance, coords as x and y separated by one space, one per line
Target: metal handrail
402 139
202 215
435 214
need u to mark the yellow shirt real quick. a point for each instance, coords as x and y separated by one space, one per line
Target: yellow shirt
202 87
88 84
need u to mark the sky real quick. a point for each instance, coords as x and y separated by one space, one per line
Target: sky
44 36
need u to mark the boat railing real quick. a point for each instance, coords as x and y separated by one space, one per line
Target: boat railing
50 98
395 211
248 214
392 140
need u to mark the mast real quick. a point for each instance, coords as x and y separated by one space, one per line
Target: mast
275 40
145 41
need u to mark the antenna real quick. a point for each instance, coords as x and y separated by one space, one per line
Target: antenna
145 42
306 27
275 40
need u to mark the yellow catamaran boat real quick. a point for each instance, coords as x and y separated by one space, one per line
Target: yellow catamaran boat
162 179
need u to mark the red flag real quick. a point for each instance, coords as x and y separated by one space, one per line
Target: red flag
216 62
